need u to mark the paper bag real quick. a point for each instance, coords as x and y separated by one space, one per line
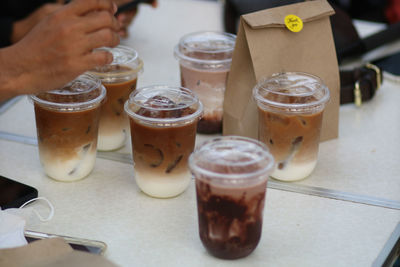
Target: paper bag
265 46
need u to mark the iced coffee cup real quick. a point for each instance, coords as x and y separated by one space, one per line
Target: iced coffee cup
120 79
290 108
205 59
67 122
231 177
163 123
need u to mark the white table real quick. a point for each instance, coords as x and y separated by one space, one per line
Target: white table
342 215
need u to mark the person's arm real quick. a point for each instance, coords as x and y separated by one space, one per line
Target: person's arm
21 27
59 48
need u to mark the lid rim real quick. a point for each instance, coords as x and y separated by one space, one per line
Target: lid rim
121 48
237 178
133 71
310 105
181 56
74 106
169 121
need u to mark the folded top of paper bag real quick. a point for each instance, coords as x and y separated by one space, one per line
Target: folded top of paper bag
274 17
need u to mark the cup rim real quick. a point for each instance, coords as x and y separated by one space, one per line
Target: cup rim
293 107
163 121
180 56
71 107
234 179
135 59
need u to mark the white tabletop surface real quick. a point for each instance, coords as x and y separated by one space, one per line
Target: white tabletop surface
299 229
362 163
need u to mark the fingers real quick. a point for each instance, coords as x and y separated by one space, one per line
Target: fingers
98 58
126 17
81 7
123 33
103 37
47 9
99 20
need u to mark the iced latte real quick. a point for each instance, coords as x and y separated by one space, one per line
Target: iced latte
290 117
120 79
163 123
204 59
67 122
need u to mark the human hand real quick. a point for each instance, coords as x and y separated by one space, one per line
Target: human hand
125 18
22 27
61 47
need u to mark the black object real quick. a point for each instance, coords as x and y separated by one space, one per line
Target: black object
360 47
390 64
360 84
131 5
12 11
14 194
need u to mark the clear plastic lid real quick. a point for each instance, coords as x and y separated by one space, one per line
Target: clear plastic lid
126 63
163 106
232 160
294 92
206 47
85 92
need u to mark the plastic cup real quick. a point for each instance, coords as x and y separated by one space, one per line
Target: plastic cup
119 78
163 122
67 122
290 108
231 177
205 59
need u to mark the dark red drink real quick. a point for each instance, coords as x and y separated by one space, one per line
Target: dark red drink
231 178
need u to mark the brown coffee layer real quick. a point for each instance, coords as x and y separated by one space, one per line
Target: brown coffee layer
113 117
162 149
290 136
63 132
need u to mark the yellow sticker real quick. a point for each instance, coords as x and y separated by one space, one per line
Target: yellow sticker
293 23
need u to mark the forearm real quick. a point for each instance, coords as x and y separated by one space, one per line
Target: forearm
13 77
19 29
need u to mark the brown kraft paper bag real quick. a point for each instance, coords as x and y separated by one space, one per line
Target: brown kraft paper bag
265 46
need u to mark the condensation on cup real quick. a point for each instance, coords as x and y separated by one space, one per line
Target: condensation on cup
231 179
290 108
205 59
119 78
163 121
67 122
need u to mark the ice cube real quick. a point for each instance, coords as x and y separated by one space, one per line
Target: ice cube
163 107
